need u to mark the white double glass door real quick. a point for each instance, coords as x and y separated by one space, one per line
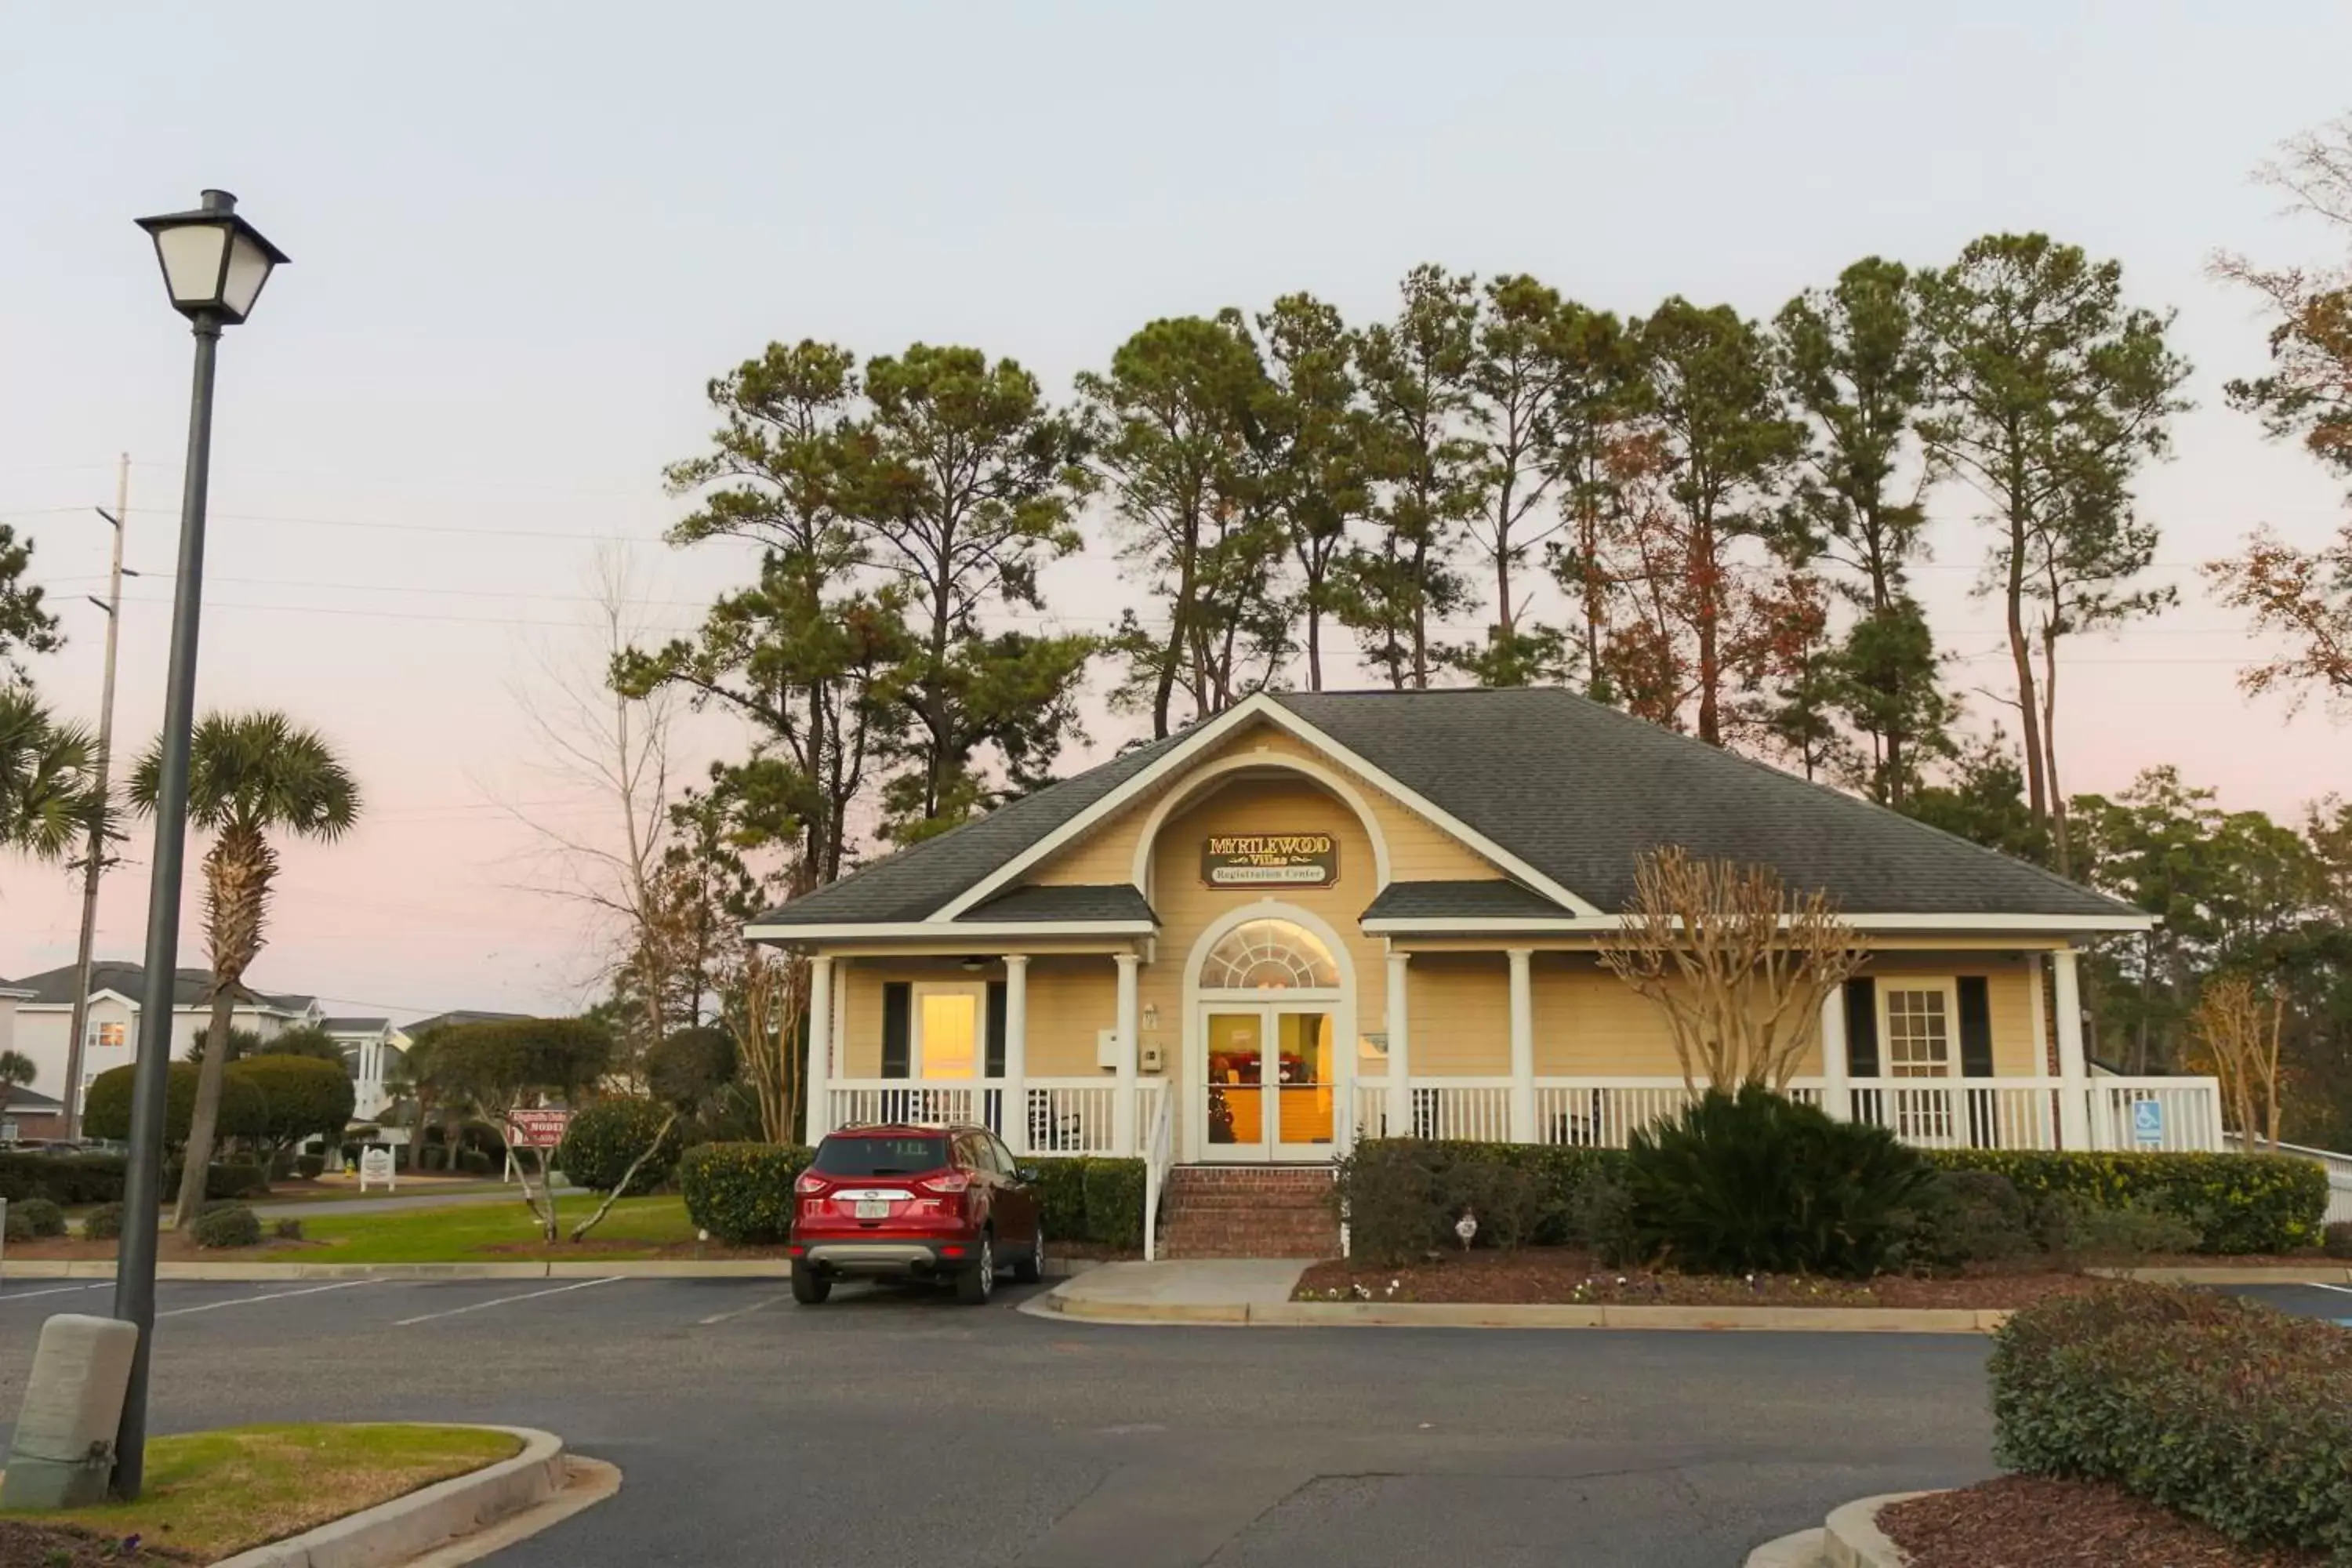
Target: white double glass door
1270 1086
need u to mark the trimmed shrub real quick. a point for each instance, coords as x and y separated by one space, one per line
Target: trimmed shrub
17 1228
2225 1410
602 1140
301 1097
1089 1198
103 1223
1968 1216
2239 1203
1113 1198
1753 1182
61 1178
41 1216
2077 1228
310 1167
226 1179
243 1111
231 1224
2337 1242
743 1192
1400 1196
478 1162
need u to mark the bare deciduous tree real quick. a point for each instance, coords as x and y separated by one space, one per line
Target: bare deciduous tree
2238 1026
763 998
1739 965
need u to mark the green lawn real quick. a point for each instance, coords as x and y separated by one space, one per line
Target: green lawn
214 1494
488 1233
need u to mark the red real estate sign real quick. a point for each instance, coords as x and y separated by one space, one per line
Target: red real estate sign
536 1129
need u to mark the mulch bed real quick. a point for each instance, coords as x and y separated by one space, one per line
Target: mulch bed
2027 1521
25 1545
1559 1275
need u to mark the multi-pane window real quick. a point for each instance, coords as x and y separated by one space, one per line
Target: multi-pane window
113 1034
1918 1031
1269 955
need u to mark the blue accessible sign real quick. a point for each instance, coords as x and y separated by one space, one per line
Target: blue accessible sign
2148 1121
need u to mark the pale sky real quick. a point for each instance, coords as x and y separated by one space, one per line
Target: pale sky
524 237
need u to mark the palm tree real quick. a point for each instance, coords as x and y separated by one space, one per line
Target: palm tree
47 777
16 1072
249 774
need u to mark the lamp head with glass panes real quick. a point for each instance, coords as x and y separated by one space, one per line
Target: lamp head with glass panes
215 262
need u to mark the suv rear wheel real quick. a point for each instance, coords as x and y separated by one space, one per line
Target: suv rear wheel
809 1288
1030 1267
974 1286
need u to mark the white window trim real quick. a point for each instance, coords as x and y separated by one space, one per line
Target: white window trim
1950 987
977 991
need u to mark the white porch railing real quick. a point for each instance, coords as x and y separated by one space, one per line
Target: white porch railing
1050 1115
1934 1113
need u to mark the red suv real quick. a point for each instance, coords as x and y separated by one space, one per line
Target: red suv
908 1202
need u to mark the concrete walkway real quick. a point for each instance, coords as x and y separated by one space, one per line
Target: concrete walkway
1201 1290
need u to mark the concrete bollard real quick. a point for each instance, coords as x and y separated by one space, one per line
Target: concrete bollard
63 1450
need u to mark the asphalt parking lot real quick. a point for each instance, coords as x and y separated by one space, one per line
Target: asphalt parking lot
892 1427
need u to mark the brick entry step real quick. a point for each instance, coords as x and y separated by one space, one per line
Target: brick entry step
1249 1211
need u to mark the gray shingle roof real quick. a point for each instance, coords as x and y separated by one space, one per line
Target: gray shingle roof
353 1026
56 986
1458 901
916 881
1080 901
1575 789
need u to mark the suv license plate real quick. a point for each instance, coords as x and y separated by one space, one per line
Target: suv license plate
873 1208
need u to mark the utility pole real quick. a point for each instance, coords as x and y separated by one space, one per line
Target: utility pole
113 607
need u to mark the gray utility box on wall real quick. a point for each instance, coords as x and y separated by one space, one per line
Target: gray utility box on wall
63 1450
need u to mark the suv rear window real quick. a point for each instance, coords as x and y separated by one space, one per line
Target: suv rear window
839 1156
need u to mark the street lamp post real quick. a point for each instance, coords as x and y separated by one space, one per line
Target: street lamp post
214 263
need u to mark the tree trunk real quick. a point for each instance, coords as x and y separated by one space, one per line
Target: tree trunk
2060 850
2020 654
585 1225
1710 613
197 1156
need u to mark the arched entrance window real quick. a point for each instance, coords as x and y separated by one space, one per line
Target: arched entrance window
1269 955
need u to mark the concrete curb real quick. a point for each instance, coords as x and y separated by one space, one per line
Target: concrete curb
1852 1538
1471 1315
407 1526
2264 1274
1802 1550
557 1269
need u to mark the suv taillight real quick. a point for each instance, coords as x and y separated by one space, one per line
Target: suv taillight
946 1184
810 1183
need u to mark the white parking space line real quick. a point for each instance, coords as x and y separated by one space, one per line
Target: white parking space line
56 1291
504 1301
253 1301
2339 1289
740 1312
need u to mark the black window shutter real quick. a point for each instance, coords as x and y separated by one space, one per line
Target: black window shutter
898 1004
1862 1028
995 1029
1975 1026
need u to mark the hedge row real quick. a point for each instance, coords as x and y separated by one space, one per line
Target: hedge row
2222 1410
742 1194
61 1178
2239 1203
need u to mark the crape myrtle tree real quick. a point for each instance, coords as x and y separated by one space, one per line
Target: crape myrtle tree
502 1065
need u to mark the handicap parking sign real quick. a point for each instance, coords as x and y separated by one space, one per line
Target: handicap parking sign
2148 1121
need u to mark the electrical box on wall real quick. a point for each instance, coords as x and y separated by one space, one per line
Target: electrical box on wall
1154 1059
1106 1050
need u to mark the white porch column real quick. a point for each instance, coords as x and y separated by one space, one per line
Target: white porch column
1122 1104
1017 1052
820 1048
1523 1046
1399 1112
2074 1074
1837 1090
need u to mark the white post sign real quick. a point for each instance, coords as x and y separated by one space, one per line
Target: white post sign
375 1166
